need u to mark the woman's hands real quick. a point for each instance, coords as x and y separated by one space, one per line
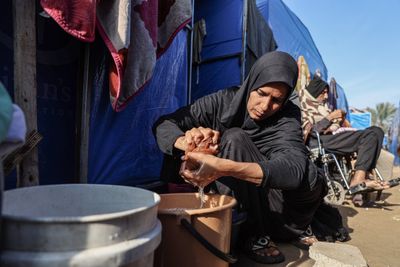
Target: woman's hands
201 169
205 168
203 141
200 166
199 139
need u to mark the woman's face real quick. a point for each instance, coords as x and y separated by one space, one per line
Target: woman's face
267 100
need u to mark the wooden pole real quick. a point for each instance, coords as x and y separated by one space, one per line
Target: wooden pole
85 118
24 22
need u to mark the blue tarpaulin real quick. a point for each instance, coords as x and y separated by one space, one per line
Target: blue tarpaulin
394 136
222 46
122 149
291 35
360 120
341 101
224 27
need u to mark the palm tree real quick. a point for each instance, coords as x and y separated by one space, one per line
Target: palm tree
382 115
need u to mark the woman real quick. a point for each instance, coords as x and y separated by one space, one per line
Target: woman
256 153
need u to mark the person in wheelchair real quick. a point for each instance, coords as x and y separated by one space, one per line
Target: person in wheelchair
339 138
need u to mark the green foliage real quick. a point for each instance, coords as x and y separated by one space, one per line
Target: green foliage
382 115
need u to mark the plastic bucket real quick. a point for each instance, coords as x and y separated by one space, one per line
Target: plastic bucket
79 225
192 236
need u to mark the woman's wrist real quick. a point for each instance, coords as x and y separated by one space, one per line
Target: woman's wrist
247 171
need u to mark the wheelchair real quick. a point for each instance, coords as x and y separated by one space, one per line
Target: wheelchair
338 171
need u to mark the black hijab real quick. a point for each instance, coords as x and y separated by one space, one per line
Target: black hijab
316 86
275 66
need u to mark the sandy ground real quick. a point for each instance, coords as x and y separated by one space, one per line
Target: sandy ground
374 230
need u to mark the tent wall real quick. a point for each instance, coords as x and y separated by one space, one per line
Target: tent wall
394 137
222 46
341 101
224 22
57 79
291 35
122 149
221 65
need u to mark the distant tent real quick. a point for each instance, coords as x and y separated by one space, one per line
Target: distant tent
341 101
337 98
332 96
394 137
360 120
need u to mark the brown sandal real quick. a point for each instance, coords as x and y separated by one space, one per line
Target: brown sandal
254 245
305 240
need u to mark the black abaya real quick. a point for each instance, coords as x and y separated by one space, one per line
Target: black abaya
275 143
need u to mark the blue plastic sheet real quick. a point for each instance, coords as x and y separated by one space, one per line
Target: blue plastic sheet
122 149
224 38
394 137
360 120
224 26
57 74
222 46
341 101
291 35
214 76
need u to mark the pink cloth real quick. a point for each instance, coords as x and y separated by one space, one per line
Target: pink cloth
77 17
136 33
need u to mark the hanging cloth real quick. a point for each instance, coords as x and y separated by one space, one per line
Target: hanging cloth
136 33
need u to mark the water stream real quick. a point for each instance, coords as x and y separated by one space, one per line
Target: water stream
202 197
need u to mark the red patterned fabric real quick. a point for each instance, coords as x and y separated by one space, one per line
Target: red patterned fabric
136 33
77 17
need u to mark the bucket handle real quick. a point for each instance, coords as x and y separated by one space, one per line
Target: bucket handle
210 247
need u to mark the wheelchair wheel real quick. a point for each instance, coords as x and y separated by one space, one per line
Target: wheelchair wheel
336 193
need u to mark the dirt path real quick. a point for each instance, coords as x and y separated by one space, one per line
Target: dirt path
374 230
